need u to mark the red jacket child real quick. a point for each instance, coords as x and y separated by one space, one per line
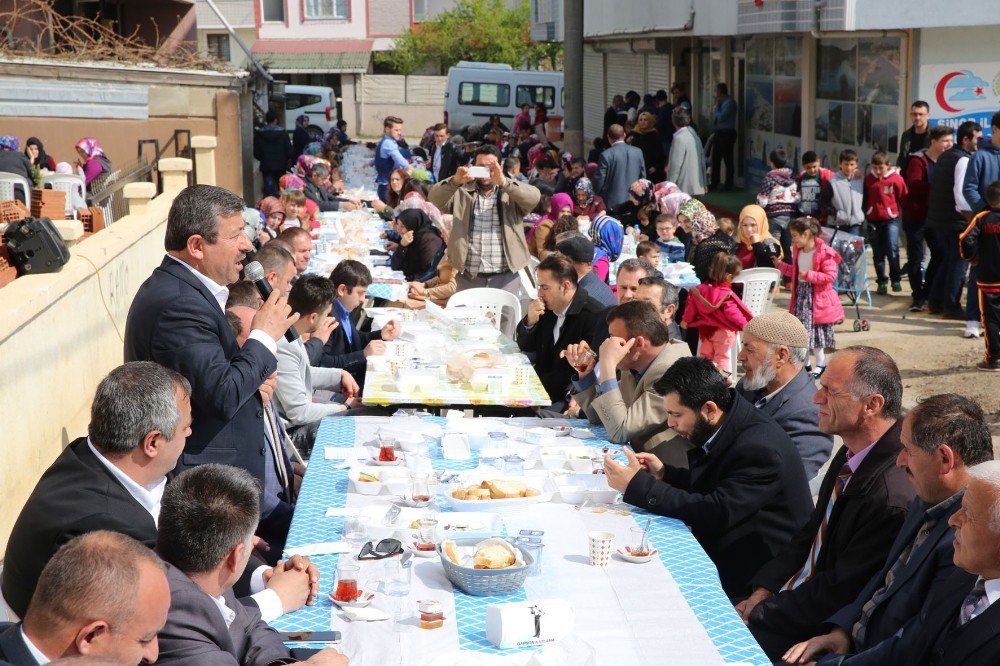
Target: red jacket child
713 306
883 197
827 308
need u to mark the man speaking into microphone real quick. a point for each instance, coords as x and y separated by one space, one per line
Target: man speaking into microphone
178 320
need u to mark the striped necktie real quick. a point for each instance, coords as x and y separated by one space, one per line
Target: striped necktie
806 571
275 444
974 604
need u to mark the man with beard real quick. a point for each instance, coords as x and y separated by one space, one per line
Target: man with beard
744 494
775 381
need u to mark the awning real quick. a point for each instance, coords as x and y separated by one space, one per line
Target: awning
314 56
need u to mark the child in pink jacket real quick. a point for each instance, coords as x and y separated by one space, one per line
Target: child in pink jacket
814 300
716 311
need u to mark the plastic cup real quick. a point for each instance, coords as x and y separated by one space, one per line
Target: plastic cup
347 583
638 545
428 529
600 548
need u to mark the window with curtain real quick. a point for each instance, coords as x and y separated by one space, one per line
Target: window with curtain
274 10
326 9
218 47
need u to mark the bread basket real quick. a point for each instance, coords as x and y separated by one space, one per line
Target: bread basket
485 582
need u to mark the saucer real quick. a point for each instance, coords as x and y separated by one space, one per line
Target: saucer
412 547
386 463
360 602
629 557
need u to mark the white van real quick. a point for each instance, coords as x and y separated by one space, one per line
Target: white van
317 102
477 90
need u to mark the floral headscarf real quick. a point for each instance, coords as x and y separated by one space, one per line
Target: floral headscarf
703 221
415 200
642 191
315 149
671 203
253 223
290 181
566 158
608 236
9 142
305 164
584 185
271 205
90 147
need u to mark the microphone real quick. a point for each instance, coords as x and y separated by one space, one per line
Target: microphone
254 272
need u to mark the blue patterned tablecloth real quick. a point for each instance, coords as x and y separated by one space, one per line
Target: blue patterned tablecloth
325 486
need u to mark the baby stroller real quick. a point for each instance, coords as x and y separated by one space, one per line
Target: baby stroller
852 273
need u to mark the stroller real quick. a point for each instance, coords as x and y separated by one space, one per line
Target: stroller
852 273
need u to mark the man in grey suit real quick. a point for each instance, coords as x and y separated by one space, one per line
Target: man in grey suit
619 167
633 358
686 162
773 357
207 522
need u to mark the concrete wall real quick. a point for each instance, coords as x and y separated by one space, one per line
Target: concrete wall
355 27
237 58
605 19
924 14
417 118
59 335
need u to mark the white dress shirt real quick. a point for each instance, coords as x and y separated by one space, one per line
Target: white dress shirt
992 594
221 294
149 498
560 318
436 162
40 658
228 614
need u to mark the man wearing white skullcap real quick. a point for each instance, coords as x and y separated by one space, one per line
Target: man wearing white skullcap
775 348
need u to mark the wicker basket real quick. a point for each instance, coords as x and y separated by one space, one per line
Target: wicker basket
485 582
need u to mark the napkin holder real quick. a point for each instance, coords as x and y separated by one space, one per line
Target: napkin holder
529 623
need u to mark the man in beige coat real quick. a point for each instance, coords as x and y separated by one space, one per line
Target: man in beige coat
636 354
487 245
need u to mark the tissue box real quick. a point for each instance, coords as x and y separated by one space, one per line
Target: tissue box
529 622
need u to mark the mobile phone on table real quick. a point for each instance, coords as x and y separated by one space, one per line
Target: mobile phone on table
311 636
479 172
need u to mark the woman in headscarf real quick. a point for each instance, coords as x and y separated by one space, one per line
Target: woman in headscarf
638 210
12 160
92 160
420 246
756 244
314 149
706 237
35 151
442 286
586 203
647 139
274 215
301 137
560 204
608 236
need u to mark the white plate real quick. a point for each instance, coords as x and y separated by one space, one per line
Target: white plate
361 602
411 546
458 524
386 463
546 490
629 557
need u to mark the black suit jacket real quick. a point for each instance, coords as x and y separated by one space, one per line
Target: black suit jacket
582 316
899 611
862 528
76 494
743 500
794 410
449 160
324 199
195 632
176 322
13 651
941 642
340 353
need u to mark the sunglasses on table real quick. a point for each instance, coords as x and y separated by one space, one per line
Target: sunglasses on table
383 549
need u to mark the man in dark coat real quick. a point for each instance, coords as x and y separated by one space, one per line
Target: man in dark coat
744 494
773 356
862 505
178 320
273 149
562 315
942 437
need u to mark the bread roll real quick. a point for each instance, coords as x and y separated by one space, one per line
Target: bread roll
460 494
451 551
493 557
505 489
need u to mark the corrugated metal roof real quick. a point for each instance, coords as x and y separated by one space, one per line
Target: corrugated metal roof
299 63
239 13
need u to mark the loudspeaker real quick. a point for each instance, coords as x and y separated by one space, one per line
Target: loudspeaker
35 246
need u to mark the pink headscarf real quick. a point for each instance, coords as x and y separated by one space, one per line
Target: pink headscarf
416 200
90 147
557 203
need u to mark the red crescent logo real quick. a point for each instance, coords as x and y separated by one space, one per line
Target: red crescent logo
942 102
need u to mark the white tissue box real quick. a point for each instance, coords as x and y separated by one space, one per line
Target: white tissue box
529 622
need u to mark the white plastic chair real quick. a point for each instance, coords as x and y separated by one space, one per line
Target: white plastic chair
757 291
6 613
504 306
73 186
7 182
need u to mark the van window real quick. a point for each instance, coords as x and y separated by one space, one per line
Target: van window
484 94
534 94
298 100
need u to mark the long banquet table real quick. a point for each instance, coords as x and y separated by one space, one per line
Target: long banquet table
670 610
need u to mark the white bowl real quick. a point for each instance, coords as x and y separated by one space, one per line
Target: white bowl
364 487
581 465
553 462
572 494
